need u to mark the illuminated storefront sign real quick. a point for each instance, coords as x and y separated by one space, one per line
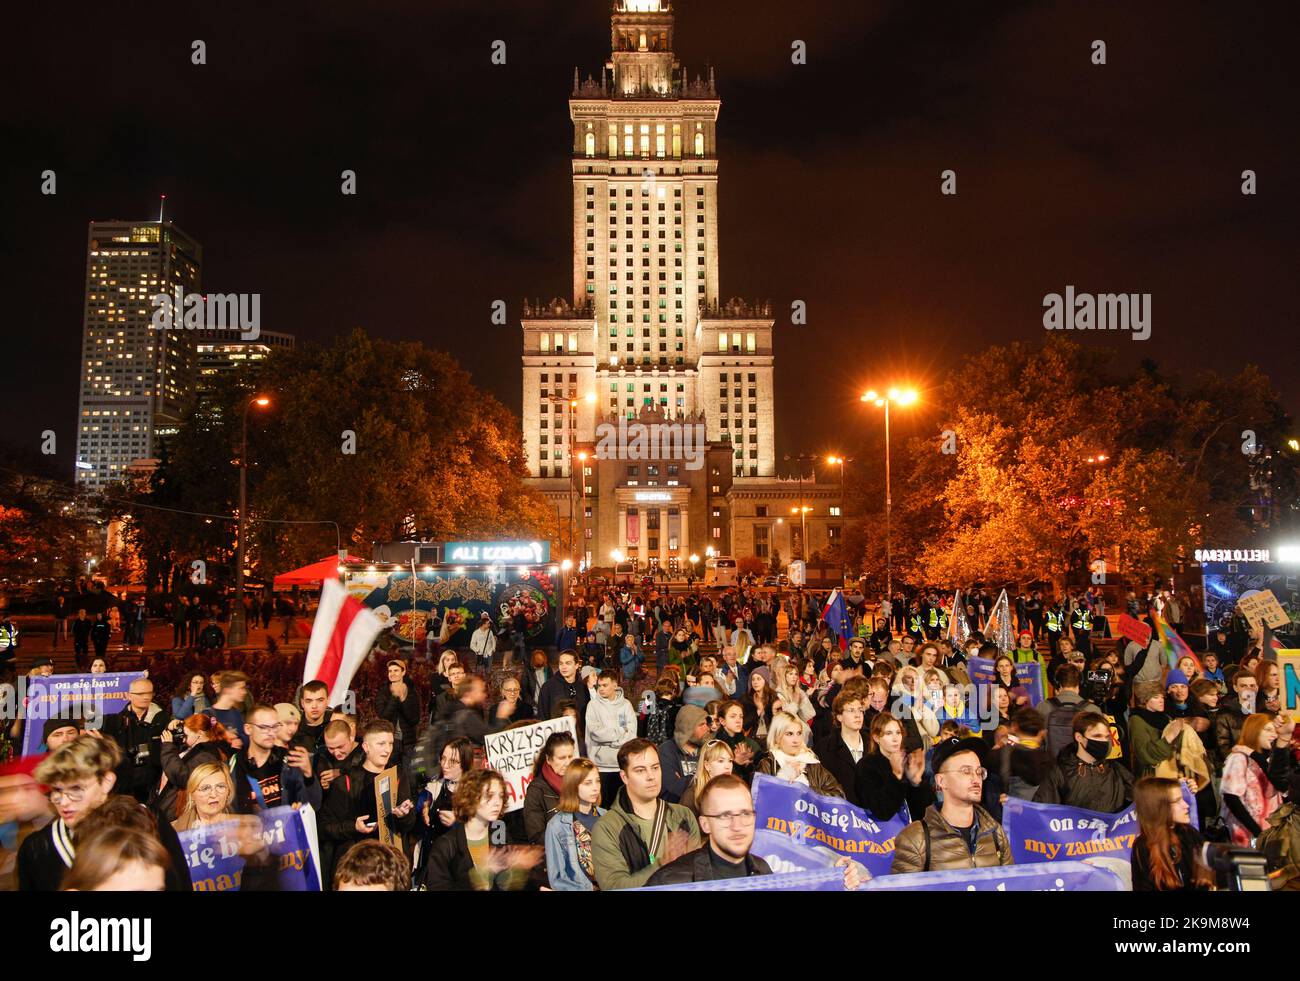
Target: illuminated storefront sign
499 553
653 496
1232 555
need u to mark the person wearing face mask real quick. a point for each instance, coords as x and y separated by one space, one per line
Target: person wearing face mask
1233 711
1082 776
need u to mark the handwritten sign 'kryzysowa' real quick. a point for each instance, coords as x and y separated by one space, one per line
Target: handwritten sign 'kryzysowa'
514 752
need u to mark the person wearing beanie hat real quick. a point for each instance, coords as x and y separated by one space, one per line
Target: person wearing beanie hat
59 732
1177 690
680 755
1153 736
290 719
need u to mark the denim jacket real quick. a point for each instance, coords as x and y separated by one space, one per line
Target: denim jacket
562 866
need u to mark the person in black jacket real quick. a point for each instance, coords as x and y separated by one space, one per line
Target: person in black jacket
475 853
138 730
543 793
531 681
1083 776
80 775
266 775
565 686
727 820
435 802
1168 855
184 747
889 776
843 750
351 811
399 704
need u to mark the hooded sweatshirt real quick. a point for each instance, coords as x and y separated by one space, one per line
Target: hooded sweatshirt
610 723
678 765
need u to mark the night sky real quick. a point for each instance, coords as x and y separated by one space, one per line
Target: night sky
1122 177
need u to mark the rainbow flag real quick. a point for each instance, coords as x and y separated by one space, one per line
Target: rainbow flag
1175 647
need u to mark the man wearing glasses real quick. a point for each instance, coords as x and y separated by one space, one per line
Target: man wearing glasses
959 833
727 818
138 730
267 775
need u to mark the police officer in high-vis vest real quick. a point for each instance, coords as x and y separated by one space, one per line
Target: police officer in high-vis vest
1055 623
8 641
915 622
1081 626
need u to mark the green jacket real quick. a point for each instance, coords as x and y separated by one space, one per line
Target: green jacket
620 845
1148 748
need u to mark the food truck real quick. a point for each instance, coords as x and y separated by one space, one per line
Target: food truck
446 587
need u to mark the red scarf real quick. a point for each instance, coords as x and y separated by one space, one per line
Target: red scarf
551 777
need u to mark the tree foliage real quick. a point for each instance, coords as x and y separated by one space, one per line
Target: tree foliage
1027 496
430 455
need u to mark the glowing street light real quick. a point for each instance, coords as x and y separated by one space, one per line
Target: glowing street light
238 625
903 397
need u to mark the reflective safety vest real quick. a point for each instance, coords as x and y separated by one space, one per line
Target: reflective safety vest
1054 621
914 623
8 636
934 617
943 619
1082 619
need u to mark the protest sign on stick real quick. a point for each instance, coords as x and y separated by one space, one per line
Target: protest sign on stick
386 784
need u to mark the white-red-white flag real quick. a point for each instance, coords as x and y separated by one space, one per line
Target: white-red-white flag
341 638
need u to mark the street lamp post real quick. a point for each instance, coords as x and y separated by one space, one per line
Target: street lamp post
801 509
843 509
238 626
582 477
560 399
904 397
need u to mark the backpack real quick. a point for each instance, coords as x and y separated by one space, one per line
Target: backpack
656 726
1280 844
1060 725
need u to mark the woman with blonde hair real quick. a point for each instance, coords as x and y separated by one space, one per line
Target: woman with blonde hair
570 866
716 758
209 797
185 747
790 695
920 724
789 758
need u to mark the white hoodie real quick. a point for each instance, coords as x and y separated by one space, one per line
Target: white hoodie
610 723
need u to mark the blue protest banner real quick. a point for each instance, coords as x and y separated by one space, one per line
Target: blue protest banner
792 811
1029 674
81 698
213 852
1043 877
1045 832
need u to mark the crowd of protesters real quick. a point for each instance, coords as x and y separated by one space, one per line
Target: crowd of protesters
678 701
